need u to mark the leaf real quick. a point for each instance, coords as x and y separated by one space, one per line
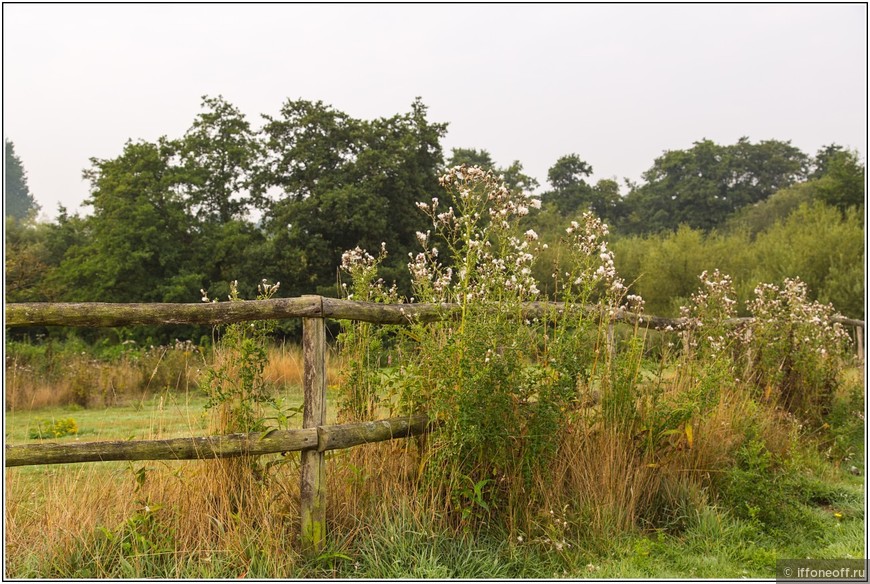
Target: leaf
267 433
689 434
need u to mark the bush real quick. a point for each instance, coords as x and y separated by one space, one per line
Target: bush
54 429
796 349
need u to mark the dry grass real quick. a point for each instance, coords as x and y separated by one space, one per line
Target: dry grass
48 512
61 513
285 366
88 382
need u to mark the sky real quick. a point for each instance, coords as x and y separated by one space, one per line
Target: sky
616 84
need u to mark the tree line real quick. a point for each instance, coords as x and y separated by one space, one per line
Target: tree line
283 200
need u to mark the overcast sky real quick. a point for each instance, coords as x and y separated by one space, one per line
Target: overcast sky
616 84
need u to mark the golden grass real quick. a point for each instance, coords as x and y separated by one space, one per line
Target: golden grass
88 382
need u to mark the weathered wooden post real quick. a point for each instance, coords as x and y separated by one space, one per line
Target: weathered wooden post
859 341
313 488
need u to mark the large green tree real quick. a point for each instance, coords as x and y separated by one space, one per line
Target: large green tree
217 154
343 182
137 244
703 185
571 193
18 201
839 178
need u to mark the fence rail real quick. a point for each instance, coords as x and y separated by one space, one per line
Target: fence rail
321 439
315 437
106 314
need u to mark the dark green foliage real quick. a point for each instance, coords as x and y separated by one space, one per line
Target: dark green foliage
217 154
171 217
841 180
513 175
571 194
701 186
139 235
344 182
17 199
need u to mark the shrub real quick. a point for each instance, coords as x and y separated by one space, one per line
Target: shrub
796 349
54 429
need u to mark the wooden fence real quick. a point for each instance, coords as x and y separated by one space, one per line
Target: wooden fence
315 437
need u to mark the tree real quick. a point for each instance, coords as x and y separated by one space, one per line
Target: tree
570 190
839 178
344 182
19 202
759 170
513 175
471 157
571 193
137 243
702 186
217 154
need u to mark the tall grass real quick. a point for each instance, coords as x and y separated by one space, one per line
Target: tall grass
60 374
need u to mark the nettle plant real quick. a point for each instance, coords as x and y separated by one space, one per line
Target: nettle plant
790 352
797 348
708 365
474 372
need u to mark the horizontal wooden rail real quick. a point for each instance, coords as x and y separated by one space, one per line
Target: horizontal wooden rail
321 439
110 314
103 314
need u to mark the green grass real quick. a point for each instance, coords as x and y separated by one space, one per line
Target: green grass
716 545
166 415
163 416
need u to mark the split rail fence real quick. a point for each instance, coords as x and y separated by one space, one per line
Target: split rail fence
315 437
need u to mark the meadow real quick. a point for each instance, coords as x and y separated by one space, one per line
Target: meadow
567 447
141 519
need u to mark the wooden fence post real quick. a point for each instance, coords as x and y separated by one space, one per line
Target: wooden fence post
313 488
859 341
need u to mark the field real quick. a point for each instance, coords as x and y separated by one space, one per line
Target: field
572 439
143 519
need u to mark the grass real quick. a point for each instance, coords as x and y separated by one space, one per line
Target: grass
163 416
164 518
396 541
